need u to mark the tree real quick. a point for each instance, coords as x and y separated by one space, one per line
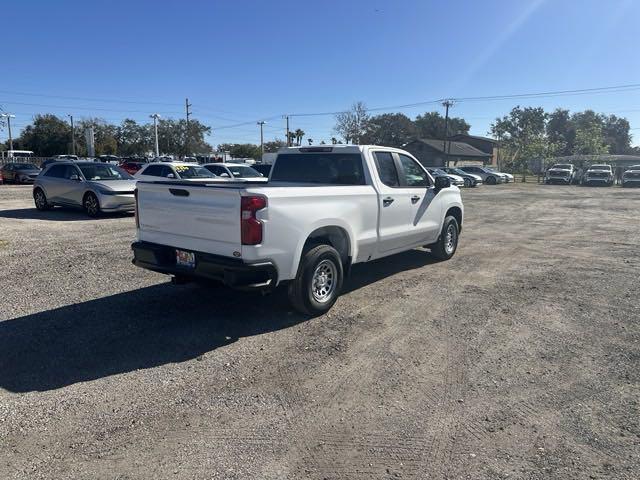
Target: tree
523 137
292 137
560 130
241 150
105 135
135 139
590 141
299 134
352 125
616 133
431 125
389 129
172 135
47 136
274 145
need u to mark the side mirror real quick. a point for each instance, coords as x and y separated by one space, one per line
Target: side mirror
442 182
74 177
171 175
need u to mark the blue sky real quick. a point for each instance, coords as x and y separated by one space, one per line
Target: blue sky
241 60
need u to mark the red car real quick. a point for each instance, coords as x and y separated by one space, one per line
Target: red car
131 167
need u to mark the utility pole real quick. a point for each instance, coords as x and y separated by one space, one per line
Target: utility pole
187 105
155 117
73 136
261 123
446 104
288 140
9 116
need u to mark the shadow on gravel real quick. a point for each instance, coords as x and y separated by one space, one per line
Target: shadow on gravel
58 214
149 327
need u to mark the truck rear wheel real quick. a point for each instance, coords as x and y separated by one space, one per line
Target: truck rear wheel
318 282
447 243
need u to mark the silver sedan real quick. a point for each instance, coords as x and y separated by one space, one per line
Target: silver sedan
94 187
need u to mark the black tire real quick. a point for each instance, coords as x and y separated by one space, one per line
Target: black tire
491 180
40 199
304 294
443 249
467 183
91 204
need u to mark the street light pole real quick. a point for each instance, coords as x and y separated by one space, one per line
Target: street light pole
288 141
9 116
261 123
73 136
155 117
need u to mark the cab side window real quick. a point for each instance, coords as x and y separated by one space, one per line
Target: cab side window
153 170
387 170
413 174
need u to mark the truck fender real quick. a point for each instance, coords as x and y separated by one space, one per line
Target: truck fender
324 223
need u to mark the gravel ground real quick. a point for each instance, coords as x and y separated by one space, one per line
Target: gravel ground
519 358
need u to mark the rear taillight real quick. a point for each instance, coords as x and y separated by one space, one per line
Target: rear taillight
250 226
135 194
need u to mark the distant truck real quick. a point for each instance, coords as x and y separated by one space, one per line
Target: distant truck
598 175
322 210
21 154
561 173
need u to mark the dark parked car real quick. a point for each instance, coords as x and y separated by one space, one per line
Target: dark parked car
263 168
19 172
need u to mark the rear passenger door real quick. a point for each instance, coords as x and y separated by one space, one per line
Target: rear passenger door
394 205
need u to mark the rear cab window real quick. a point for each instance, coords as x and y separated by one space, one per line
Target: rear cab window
320 168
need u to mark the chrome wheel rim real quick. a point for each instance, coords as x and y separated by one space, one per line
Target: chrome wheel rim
40 201
91 204
450 238
323 281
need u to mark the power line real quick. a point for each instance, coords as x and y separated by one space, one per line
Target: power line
72 107
89 99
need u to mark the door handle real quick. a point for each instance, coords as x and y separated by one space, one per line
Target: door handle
387 201
415 199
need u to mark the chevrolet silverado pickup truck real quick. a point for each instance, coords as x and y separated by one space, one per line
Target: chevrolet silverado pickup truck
598 175
322 210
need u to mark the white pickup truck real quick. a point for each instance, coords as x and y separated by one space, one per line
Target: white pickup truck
322 210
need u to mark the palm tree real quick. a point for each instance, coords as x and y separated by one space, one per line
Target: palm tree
334 140
292 137
299 134
310 140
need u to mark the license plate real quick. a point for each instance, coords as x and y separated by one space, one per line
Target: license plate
185 259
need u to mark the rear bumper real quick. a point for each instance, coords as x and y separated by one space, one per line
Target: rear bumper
232 272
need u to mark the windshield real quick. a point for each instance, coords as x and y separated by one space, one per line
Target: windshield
437 171
562 166
193 171
634 167
457 171
22 154
26 166
244 172
104 172
600 167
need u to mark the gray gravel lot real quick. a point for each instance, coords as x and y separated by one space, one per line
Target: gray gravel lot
519 358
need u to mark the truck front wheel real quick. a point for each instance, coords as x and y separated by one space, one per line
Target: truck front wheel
447 243
318 282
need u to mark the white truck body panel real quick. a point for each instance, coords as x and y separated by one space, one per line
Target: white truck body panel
208 219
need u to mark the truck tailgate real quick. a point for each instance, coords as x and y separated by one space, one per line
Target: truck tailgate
195 217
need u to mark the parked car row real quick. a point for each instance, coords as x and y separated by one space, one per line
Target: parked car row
600 174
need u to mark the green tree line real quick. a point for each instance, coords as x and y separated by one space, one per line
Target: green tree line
50 135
